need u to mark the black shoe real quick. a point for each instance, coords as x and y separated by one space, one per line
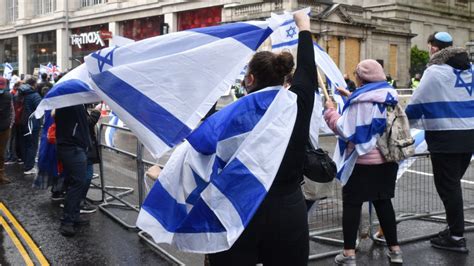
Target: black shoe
57 196
87 208
67 230
445 241
81 221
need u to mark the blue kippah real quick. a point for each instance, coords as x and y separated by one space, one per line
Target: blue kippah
443 37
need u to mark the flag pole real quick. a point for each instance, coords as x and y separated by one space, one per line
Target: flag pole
322 85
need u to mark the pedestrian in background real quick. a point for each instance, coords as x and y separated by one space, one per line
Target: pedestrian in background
351 86
373 178
13 153
443 106
30 126
44 86
6 123
415 81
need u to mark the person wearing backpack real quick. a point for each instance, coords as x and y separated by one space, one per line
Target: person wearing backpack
29 132
443 106
364 172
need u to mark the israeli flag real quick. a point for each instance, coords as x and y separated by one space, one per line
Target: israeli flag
361 124
161 87
110 131
7 70
72 89
444 100
420 147
215 181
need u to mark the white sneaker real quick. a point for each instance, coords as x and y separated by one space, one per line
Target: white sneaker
32 171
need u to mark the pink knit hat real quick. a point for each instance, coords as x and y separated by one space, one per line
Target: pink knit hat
370 70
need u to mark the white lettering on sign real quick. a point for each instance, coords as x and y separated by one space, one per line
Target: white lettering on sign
86 38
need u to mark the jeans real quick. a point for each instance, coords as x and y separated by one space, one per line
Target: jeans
30 149
89 174
74 161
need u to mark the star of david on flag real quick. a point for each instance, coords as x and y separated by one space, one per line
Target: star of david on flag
103 60
460 83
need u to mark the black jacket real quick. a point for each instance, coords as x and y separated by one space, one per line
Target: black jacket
303 85
451 141
72 126
31 100
5 109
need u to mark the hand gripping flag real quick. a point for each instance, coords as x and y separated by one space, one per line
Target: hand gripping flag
161 87
215 181
361 123
444 100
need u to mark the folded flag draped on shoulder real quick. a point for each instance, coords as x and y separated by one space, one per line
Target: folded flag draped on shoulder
7 70
72 89
175 78
360 130
215 181
451 107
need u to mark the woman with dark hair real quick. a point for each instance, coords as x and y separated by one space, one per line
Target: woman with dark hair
372 178
278 232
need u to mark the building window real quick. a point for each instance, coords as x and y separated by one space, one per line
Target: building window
462 2
85 3
12 11
199 18
41 49
43 7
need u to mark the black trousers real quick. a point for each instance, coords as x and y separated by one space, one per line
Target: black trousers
74 161
276 235
448 170
351 220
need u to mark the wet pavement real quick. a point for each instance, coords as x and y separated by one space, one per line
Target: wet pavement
106 242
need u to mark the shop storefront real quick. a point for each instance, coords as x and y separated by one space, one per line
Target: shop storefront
139 29
41 49
9 53
199 18
86 40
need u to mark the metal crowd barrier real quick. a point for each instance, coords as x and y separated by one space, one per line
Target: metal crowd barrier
116 200
415 199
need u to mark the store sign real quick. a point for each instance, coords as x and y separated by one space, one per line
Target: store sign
87 38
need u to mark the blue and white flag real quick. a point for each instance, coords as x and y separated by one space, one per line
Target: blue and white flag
7 70
285 38
161 87
361 124
110 131
444 100
420 147
215 181
72 89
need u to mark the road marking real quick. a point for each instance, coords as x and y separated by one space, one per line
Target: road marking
418 172
17 242
31 244
428 174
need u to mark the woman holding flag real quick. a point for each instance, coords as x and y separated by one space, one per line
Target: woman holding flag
362 169
278 232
